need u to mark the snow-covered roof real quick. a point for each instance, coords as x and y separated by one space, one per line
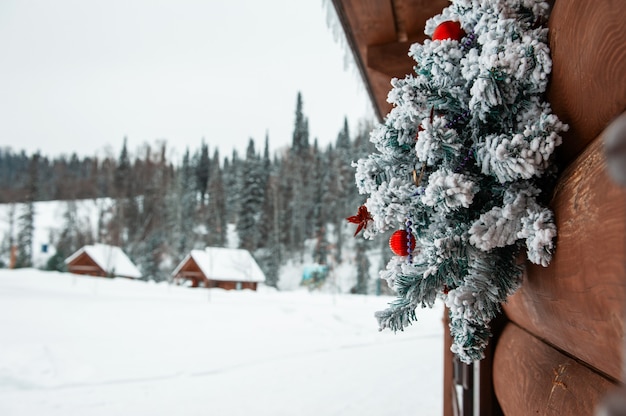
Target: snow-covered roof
218 263
110 258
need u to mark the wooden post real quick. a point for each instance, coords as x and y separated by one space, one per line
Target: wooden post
449 398
13 258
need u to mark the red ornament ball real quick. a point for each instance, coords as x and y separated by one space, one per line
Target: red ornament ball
399 241
448 30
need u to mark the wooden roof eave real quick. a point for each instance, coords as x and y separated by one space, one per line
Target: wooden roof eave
354 47
379 34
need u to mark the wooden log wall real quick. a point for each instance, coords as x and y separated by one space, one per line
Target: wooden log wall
578 303
563 349
536 379
587 88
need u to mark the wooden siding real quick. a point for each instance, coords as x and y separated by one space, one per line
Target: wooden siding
565 350
532 378
588 86
191 271
83 264
578 302
379 34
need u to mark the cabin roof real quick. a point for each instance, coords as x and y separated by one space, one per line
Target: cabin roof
379 33
225 264
111 259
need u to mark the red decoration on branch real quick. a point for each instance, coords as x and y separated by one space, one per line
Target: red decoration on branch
448 30
362 218
402 243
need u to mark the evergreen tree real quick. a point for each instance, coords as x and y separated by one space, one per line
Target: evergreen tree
233 187
343 190
251 200
8 242
122 172
270 256
186 204
217 217
295 186
320 214
300 138
265 227
26 220
149 249
202 170
117 231
75 233
362 267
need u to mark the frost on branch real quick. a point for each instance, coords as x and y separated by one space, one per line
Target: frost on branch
499 226
539 231
460 163
436 142
449 191
522 155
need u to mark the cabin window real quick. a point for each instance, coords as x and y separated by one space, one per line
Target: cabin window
238 285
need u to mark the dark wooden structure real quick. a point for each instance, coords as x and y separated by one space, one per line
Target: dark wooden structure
560 346
103 261
84 264
229 269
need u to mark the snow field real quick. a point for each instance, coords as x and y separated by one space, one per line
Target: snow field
75 345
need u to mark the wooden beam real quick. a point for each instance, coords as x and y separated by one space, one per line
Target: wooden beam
450 406
366 23
578 302
588 86
372 23
532 378
392 59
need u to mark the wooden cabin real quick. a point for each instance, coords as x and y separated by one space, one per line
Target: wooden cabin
102 260
559 347
224 268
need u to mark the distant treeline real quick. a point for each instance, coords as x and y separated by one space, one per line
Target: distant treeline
162 208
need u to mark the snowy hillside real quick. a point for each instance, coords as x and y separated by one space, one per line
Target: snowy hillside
48 224
74 345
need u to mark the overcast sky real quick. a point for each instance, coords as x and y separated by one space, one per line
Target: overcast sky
80 75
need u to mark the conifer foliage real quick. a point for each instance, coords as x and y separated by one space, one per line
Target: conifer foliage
460 165
282 207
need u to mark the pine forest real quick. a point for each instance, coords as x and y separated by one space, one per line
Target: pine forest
161 208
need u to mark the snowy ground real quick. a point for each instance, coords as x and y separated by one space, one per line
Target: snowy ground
86 346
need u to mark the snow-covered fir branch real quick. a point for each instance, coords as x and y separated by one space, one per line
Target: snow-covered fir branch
457 165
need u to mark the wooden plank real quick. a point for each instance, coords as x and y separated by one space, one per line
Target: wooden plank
391 59
578 302
532 378
366 23
588 86
416 12
369 23
449 398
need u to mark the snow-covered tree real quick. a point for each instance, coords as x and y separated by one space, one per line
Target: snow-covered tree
186 207
202 170
251 200
459 166
216 220
26 218
232 186
300 138
362 268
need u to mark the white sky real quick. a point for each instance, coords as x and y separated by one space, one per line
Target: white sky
80 75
